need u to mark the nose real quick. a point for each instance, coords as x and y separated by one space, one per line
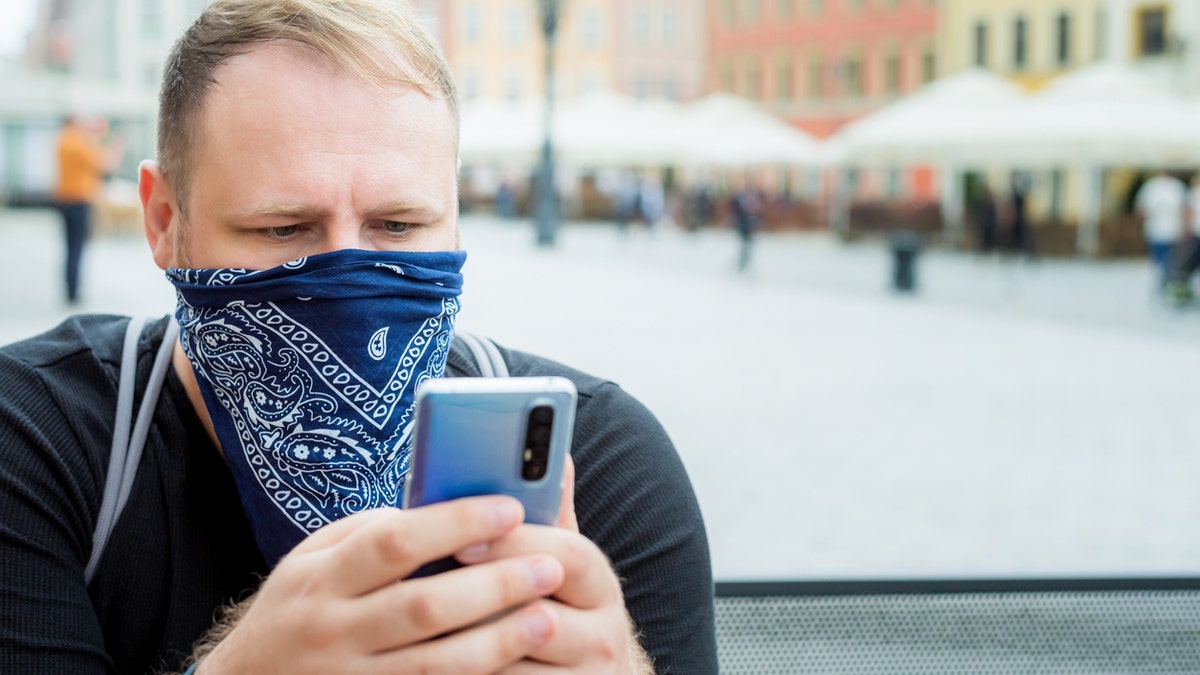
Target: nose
342 234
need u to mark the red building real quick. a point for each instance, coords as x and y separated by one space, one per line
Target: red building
821 63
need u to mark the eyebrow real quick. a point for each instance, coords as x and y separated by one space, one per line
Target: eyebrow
307 211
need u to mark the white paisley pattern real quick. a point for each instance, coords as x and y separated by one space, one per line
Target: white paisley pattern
321 439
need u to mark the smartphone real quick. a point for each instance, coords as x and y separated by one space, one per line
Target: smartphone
482 436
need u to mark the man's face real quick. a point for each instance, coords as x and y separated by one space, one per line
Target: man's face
297 158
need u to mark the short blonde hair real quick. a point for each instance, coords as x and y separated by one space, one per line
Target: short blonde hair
380 41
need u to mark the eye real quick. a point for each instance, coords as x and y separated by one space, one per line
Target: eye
395 227
285 231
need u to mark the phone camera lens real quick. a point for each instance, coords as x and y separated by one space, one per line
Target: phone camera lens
542 414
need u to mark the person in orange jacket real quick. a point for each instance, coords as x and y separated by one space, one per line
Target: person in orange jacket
82 162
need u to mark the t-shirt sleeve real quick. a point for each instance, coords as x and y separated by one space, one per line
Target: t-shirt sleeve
47 624
634 499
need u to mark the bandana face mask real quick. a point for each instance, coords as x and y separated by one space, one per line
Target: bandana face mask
308 371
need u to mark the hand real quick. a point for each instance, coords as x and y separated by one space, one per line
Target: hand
333 605
594 631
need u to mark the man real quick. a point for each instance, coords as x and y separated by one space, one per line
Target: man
1161 201
307 168
81 165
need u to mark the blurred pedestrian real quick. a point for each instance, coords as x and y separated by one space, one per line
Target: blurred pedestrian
1186 257
700 211
506 200
746 207
652 200
985 217
1161 201
625 208
1020 238
81 167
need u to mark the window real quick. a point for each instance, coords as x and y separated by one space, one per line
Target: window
815 7
151 18
1020 43
670 27
472 23
981 44
641 26
728 13
1101 34
1152 31
1062 47
641 87
784 9
472 87
514 86
753 79
928 63
753 11
891 72
783 78
852 75
726 75
591 29
854 5
514 26
816 81
670 89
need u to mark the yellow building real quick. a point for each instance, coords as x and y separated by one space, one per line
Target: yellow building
1029 41
1033 41
495 48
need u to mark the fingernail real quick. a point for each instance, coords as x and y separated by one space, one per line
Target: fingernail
505 514
473 554
544 574
538 626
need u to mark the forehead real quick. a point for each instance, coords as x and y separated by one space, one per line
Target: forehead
291 120
276 79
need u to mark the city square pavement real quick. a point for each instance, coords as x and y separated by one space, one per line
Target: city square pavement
1009 419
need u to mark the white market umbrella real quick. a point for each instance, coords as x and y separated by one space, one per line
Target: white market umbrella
946 120
727 131
500 132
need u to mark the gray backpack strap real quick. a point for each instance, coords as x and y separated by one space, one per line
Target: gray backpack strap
487 356
128 443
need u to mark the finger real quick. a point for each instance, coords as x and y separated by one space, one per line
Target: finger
392 547
418 609
566 508
590 580
603 639
333 533
481 650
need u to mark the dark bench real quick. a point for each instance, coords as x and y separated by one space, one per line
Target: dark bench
960 627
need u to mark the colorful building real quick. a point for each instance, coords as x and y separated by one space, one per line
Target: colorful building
659 49
1029 41
821 63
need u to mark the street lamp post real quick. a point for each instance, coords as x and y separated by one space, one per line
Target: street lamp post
547 194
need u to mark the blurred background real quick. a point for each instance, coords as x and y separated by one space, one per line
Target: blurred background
882 267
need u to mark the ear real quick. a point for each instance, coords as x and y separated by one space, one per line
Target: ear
160 213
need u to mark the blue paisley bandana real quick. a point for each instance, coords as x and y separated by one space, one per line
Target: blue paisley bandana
308 371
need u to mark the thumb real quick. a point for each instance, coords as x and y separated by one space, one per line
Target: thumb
566 508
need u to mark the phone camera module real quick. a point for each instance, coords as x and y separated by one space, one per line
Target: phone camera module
537 443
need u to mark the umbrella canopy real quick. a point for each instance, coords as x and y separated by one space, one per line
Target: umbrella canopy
500 132
943 121
726 131
1101 114
606 129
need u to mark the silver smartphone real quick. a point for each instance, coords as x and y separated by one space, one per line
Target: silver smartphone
480 436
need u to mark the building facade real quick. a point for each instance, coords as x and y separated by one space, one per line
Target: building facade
496 47
1029 41
821 63
660 47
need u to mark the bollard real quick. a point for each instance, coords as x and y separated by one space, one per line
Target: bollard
906 245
